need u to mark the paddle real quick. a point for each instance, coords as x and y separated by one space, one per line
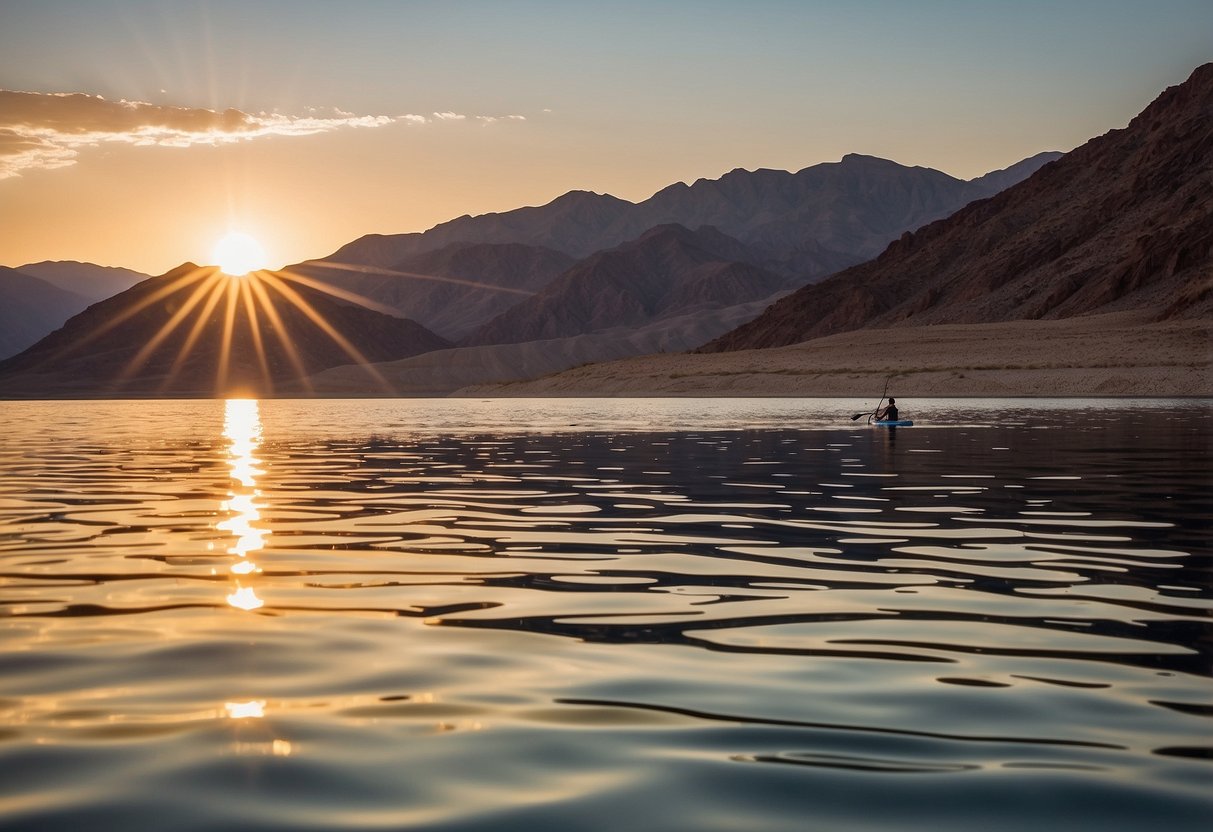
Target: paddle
883 393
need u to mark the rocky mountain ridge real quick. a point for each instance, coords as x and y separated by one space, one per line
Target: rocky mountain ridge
1123 222
845 210
801 226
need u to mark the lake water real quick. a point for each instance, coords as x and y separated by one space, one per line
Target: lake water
605 615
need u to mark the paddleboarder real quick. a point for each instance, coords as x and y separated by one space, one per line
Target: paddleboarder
889 413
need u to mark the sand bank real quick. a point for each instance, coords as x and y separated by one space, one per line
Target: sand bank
1112 355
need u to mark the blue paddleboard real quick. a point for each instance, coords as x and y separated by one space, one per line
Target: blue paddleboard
886 423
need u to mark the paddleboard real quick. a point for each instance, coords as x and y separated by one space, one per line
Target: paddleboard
900 423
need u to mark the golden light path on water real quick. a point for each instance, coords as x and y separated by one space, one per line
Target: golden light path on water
242 428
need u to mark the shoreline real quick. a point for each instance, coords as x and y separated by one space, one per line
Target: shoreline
1115 356
1194 397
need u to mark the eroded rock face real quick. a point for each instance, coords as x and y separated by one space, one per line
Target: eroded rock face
1124 221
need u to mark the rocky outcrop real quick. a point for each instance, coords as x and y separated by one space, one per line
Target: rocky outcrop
1123 222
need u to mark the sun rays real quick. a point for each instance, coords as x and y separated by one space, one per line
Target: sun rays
419 276
197 330
256 320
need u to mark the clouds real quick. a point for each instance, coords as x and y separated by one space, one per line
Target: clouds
449 116
43 131
494 119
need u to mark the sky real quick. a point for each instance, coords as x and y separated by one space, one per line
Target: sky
137 134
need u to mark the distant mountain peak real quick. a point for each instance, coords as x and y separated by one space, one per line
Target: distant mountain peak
580 197
188 267
864 161
744 173
71 263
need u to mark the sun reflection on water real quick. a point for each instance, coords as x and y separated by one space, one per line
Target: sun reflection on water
253 709
242 427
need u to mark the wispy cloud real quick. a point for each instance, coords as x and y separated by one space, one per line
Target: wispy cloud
493 119
46 130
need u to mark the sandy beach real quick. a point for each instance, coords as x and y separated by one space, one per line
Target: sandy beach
1105 355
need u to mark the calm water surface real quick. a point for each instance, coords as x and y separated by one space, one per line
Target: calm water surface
608 614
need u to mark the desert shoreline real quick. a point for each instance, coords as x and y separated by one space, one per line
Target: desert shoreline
1116 356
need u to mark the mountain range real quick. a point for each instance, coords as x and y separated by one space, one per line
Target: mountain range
801 226
37 298
667 272
196 331
88 280
1123 222
484 281
850 208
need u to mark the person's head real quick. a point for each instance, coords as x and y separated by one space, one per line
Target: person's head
892 400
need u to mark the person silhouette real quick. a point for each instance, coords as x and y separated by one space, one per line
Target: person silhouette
889 413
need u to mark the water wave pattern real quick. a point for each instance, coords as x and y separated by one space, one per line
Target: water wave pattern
604 614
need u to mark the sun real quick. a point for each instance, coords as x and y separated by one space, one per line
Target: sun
237 254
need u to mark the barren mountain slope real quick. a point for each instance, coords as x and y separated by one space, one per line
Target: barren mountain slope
1123 222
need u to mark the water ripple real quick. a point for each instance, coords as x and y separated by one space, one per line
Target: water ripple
471 615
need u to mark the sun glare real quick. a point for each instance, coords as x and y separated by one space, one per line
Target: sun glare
237 254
